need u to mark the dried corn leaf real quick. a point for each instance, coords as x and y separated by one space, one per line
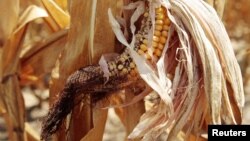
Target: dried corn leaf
8 18
41 57
60 17
11 94
2 105
218 6
99 120
63 4
30 133
31 13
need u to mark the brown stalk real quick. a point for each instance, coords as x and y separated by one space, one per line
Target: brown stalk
89 37
11 92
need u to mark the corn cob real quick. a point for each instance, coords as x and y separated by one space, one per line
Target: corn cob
90 81
142 45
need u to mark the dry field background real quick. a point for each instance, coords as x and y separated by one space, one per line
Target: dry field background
33 33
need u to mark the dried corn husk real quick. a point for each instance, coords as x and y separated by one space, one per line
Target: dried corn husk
207 82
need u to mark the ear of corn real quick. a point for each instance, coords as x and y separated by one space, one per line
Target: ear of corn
151 49
199 61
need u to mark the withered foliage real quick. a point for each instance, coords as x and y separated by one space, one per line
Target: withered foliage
194 75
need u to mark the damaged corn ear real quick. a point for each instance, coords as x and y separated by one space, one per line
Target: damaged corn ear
160 34
122 65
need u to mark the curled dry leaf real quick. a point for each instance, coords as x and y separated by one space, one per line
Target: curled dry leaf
60 17
31 13
40 58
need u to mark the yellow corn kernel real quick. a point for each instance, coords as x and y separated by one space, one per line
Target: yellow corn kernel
160 46
145 14
140 52
125 57
154 44
158 27
122 59
157 33
167 21
159 10
160 16
145 41
132 65
165 27
159 22
156 39
157 52
147 56
163 40
120 66
143 47
114 66
164 33
111 67
124 71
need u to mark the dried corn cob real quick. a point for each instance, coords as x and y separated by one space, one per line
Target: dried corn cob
152 49
90 81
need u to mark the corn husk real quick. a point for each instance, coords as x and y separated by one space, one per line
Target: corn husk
207 84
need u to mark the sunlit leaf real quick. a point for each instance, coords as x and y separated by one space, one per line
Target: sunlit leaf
61 17
31 13
8 18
